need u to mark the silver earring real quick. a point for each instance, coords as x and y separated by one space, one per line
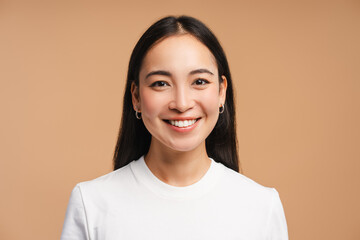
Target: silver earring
221 108
137 114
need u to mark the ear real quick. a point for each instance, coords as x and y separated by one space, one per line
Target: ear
222 92
135 96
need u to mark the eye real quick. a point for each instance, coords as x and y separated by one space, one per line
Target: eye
159 84
201 81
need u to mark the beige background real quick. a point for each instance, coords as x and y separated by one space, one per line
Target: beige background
296 70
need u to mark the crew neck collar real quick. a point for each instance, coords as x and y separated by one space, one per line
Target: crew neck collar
162 189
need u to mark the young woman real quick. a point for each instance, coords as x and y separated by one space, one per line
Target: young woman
176 164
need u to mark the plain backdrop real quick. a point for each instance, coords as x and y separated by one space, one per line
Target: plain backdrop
295 66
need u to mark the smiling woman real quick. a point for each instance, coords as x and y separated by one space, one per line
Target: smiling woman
183 38
176 171
178 82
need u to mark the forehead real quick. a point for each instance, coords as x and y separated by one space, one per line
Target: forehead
178 53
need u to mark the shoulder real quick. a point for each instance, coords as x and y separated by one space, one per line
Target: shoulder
253 200
244 188
99 187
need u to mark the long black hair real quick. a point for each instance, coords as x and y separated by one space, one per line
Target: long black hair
134 139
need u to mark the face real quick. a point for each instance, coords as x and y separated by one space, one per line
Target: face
179 93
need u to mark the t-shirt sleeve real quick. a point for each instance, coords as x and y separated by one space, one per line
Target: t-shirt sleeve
75 224
277 227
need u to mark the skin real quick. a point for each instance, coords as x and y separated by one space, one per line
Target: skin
179 80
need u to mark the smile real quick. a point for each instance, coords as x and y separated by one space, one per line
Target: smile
182 123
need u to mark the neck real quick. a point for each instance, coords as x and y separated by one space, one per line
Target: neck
177 168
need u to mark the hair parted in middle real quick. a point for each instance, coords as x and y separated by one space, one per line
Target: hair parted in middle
134 139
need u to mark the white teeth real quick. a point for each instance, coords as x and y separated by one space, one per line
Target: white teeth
185 123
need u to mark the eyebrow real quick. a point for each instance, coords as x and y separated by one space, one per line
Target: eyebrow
168 74
201 70
159 72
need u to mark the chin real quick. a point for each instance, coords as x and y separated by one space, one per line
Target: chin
186 147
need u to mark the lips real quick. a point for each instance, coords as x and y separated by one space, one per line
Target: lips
182 123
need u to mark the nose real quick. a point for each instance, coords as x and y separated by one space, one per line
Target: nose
182 100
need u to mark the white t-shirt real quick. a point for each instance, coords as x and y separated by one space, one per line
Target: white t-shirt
132 203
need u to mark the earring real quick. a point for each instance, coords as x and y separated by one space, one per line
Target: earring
221 108
137 114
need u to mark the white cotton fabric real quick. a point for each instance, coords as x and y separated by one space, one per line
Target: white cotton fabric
131 203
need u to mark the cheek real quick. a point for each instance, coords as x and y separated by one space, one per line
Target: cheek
151 103
211 101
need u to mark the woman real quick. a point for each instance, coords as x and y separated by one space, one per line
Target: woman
178 121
